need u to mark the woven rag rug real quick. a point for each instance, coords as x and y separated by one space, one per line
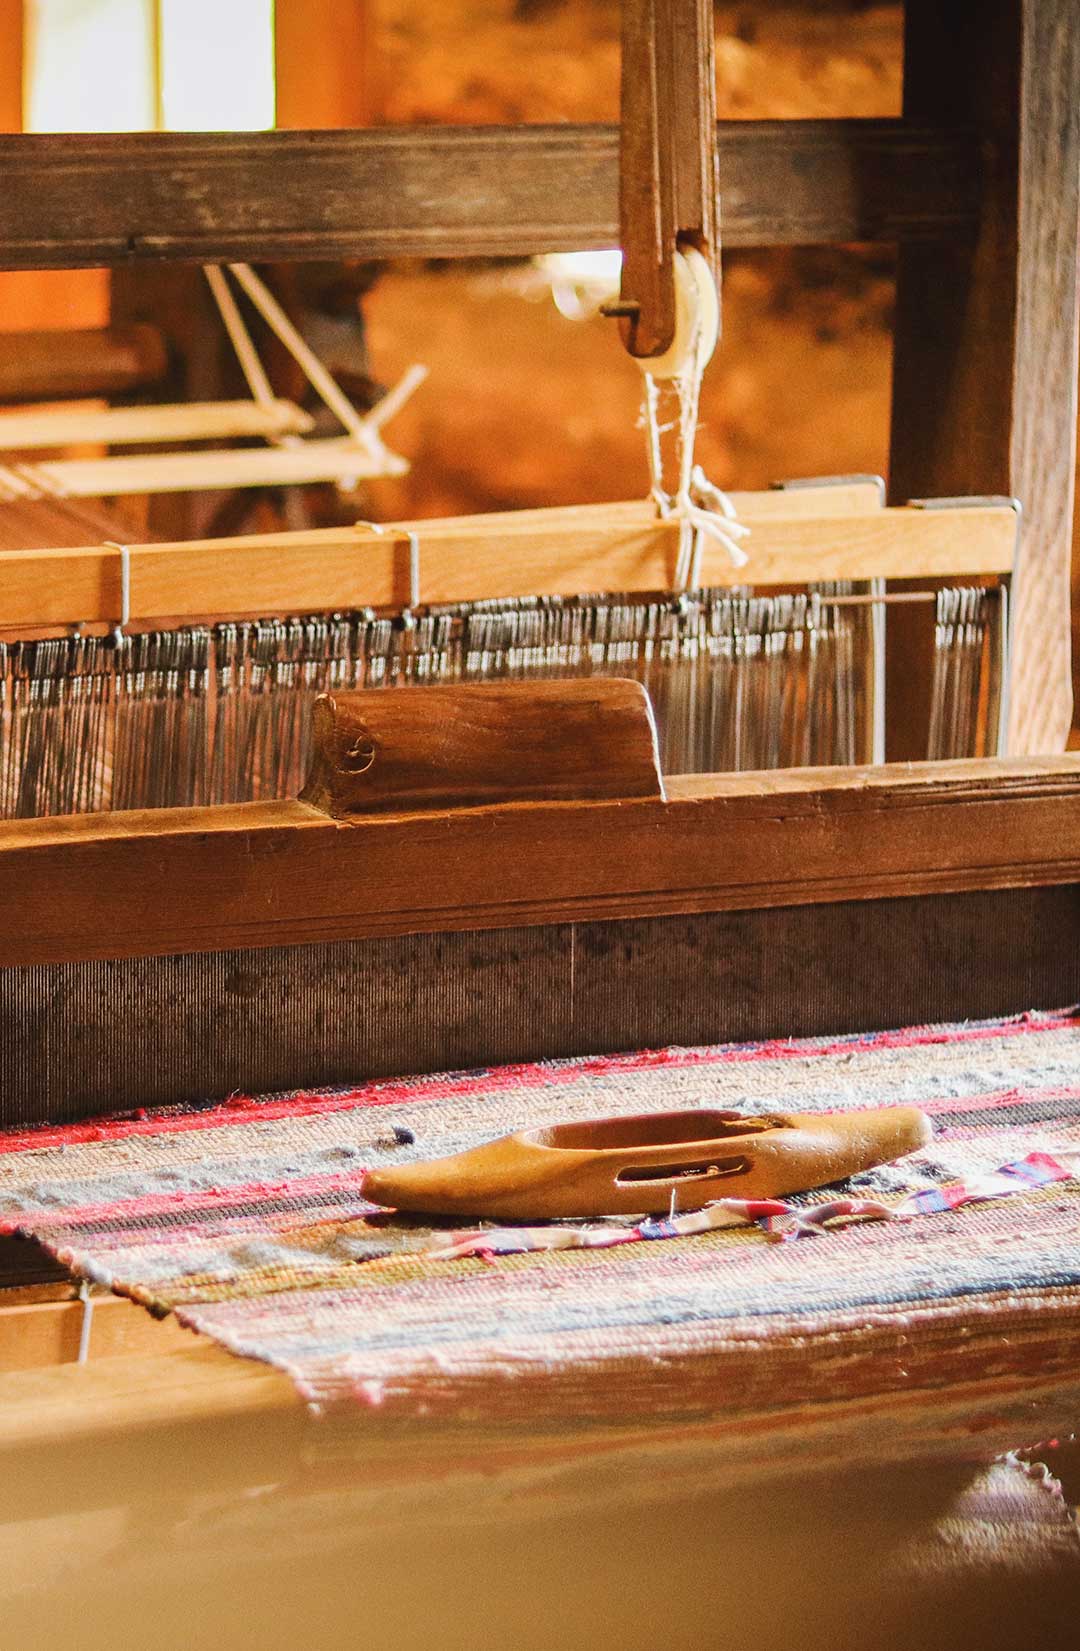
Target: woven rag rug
248 1221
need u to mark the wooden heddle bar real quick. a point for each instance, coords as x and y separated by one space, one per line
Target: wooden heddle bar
615 548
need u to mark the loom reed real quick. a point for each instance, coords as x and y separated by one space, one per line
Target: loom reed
218 714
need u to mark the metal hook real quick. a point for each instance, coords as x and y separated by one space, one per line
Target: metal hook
125 589
414 568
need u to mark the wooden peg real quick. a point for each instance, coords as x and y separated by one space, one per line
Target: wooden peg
456 747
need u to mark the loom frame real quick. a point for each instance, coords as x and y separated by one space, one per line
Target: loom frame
978 181
967 176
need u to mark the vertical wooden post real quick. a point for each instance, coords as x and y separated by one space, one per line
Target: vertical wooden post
985 368
176 299
667 159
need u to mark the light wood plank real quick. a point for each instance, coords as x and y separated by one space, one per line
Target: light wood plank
119 1396
40 1335
337 459
329 569
812 496
169 422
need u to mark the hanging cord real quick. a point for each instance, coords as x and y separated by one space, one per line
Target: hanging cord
701 509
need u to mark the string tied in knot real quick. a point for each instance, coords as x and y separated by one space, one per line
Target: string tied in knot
703 511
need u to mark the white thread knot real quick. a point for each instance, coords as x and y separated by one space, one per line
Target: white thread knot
702 510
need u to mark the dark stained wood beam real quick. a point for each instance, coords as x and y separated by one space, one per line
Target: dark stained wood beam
248 875
70 200
63 365
985 360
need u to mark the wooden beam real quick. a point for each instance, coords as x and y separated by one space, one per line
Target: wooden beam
70 199
333 459
327 569
160 424
169 881
985 368
39 1335
63 365
114 1399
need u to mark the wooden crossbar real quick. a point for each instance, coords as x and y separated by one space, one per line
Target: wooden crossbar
813 496
470 559
336 459
167 422
71 200
248 875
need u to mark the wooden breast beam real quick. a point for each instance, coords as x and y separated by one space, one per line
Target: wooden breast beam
162 882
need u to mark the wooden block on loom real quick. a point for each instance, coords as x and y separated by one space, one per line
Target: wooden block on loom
453 747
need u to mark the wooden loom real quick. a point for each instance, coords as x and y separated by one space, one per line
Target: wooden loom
643 899
286 461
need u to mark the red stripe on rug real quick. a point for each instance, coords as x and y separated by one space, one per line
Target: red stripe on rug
243 1192
1000 1100
240 1109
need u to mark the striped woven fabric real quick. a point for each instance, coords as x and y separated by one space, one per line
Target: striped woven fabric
248 1220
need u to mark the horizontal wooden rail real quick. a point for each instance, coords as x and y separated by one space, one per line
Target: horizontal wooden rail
469 559
166 422
61 364
70 199
333 459
250 875
42 1334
